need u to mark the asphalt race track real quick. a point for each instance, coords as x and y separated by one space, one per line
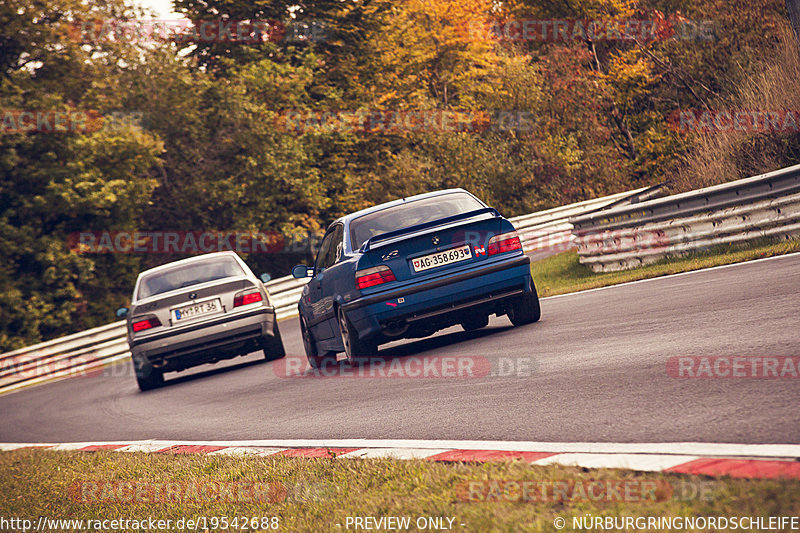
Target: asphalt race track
593 369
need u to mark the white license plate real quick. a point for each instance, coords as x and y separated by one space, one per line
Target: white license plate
186 312
453 255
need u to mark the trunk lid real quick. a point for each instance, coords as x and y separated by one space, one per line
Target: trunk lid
434 249
194 303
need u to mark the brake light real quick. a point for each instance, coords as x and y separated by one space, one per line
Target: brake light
147 323
505 242
369 277
245 299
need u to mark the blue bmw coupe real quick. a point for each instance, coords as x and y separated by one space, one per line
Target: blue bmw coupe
409 268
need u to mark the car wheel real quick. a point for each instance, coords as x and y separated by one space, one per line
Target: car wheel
525 309
353 345
149 378
310 345
272 345
475 322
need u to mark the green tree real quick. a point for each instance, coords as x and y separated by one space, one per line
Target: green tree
55 183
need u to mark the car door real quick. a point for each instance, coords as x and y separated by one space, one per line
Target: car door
318 320
332 283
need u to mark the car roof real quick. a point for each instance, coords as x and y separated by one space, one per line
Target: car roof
347 218
188 260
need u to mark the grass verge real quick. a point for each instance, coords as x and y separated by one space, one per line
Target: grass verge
320 494
563 273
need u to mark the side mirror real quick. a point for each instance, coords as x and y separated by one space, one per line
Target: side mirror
122 312
265 277
302 271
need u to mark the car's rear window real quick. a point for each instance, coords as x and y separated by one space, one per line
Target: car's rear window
410 214
187 274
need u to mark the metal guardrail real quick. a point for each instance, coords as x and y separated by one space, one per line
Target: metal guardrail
90 351
767 205
548 232
76 354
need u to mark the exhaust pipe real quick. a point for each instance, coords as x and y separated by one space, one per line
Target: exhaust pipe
395 328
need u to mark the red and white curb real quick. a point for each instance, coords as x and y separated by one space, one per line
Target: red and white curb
710 459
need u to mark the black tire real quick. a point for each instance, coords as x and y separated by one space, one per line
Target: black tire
354 346
149 378
272 345
310 345
525 309
475 322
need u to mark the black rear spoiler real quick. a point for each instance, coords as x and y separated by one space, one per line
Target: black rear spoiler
425 225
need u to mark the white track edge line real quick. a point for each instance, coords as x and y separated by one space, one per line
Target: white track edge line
674 448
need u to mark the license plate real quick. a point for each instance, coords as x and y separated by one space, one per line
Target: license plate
196 309
453 255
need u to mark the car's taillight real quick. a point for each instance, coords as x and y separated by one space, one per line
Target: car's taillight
147 323
369 277
245 298
505 242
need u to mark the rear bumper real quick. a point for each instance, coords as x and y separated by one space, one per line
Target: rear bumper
215 340
485 287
